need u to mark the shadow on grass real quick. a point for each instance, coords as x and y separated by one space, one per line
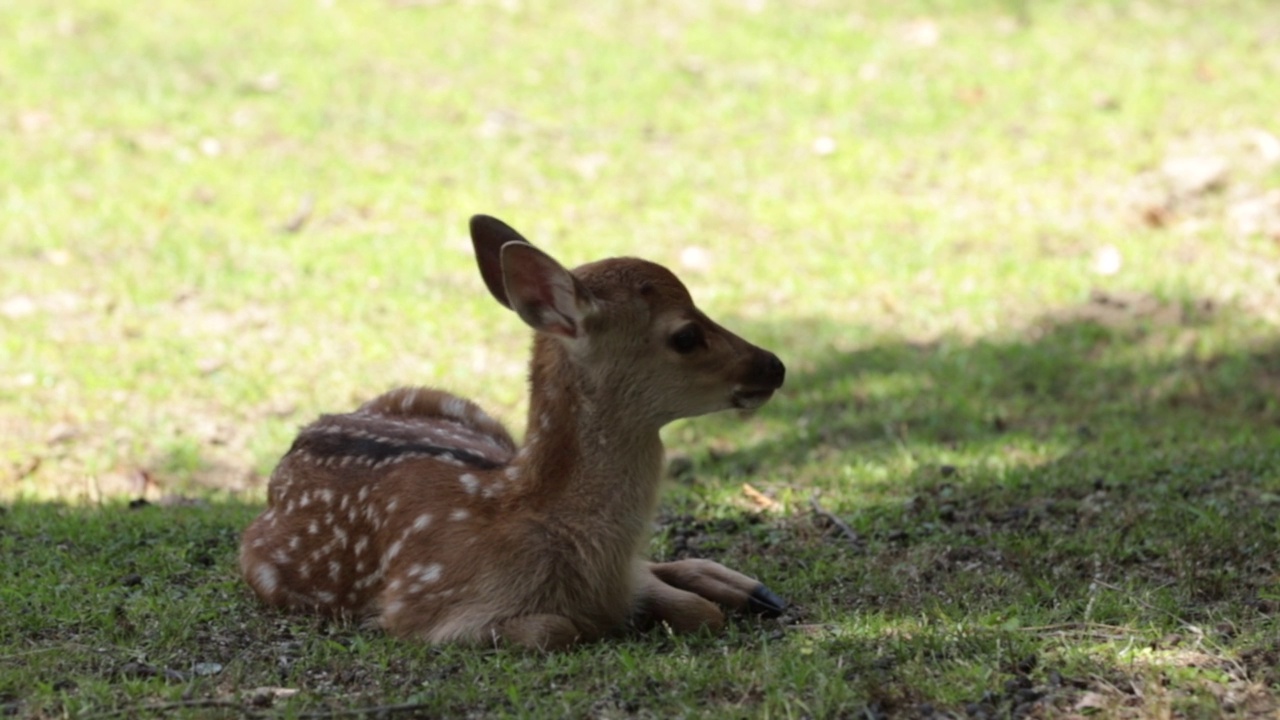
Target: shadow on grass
1113 471
1126 419
1023 514
1116 371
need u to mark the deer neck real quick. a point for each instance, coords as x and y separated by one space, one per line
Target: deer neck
587 452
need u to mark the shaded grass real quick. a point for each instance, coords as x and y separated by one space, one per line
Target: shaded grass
1003 562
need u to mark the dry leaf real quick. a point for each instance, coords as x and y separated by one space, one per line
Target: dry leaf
762 501
1092 701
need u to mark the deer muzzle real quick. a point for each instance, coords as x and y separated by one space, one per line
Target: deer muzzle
764 375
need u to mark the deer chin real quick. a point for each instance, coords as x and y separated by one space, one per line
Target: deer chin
749 399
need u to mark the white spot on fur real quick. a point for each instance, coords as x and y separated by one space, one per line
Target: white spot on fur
406 402
432 573
469 483
544 421
459 514
394 585
341 536
422 522
427 573
361 544
392 552
324 596
512 472
294 542
305 500
267 578
325 496
335 570
281 557
304 570
393 608
391 506
364 494
454 407
494 489
313 527
368 580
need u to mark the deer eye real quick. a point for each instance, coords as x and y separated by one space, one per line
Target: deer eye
687 339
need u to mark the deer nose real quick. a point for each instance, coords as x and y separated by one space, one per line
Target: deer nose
770 370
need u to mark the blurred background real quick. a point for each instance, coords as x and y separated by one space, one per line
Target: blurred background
218 219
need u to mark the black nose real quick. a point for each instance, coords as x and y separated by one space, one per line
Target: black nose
771 370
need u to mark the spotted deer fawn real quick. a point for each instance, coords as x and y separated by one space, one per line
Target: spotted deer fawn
420 511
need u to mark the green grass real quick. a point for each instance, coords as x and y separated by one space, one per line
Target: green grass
1063 485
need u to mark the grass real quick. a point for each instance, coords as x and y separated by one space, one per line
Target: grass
1059 475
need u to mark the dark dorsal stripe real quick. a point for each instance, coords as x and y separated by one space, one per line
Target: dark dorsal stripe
376 450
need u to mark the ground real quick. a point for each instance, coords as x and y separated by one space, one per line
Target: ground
1022 261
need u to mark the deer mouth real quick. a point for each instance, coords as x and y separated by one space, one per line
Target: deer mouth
750 399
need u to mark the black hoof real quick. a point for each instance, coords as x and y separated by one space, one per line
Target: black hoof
764 602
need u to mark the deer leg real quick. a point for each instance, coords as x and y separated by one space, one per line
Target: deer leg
683 611
718 583
538 632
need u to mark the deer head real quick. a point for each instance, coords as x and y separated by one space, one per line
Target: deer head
626 324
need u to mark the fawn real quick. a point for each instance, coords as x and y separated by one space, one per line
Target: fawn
419 510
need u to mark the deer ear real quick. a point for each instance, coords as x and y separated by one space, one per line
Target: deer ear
488 235
545 295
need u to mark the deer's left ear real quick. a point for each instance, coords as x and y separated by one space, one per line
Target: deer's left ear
545 295
488 235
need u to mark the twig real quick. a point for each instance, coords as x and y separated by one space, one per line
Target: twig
60 647
370 710
1097 631
1083 626
1183 621
300 218
830 516
243 707
163 707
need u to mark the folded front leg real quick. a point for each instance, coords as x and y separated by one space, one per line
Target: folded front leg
681 610
719 584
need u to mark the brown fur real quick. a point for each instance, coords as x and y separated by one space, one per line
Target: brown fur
418 510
